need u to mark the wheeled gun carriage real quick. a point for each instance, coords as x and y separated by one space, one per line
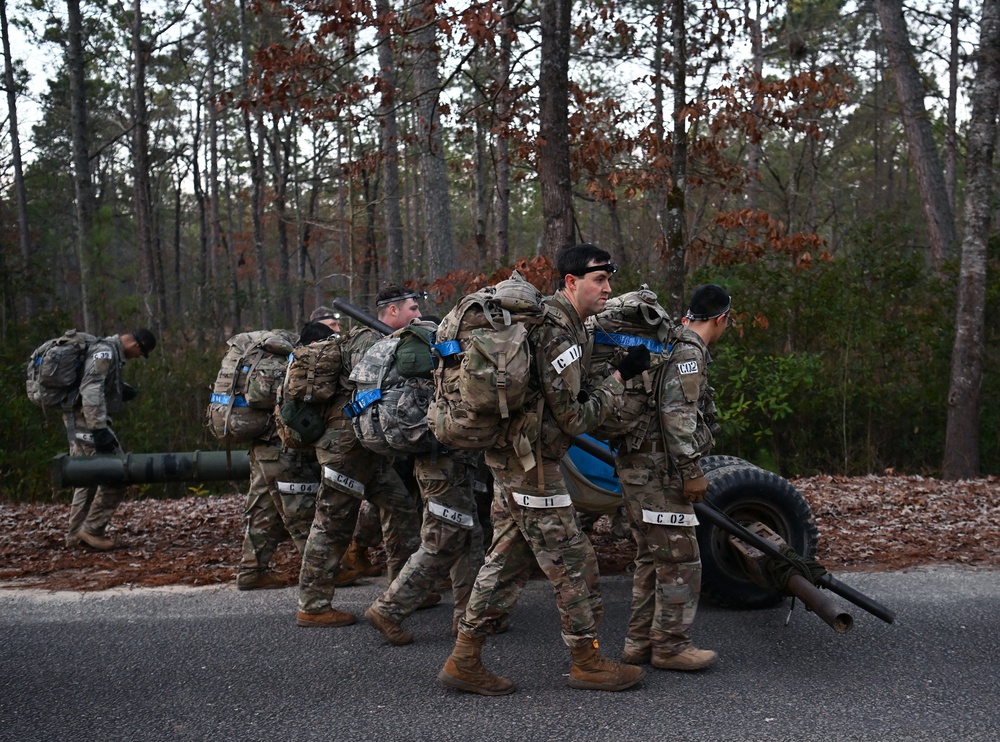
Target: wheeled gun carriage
756 533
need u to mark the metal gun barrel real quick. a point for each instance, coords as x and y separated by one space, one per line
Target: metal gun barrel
820 604
716 517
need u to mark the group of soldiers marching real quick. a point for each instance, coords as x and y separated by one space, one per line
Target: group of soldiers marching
336 498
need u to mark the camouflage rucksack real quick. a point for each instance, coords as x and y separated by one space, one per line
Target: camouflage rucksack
314 371
53 373
481 377
629 320
245 389
393 390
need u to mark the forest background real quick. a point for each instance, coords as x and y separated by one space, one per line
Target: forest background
202 168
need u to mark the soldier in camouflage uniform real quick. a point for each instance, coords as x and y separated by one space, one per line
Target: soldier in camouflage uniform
661 480
88 428
281 500
448 539
349 473
534 518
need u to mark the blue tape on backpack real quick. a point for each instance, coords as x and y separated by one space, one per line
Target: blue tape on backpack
447 348
223 399
627 341
362 401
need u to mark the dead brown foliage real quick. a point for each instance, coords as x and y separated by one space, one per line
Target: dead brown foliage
865 523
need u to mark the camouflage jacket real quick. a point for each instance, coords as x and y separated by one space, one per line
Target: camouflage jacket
686 404
561 347
101 382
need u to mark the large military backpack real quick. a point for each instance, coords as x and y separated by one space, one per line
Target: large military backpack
393 388
246 387
314 371
53 373
484 363
629 320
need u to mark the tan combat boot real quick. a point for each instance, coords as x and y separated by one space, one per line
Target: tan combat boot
393 632
464 670
690 659
355 560
593 671
331 618
96 542
636 653
265 580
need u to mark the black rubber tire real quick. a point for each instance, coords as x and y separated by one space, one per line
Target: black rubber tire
711 463
747 494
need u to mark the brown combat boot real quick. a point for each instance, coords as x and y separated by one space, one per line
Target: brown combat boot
96 542
264 580
593 671
690 659
356 559
464 670
432 599
393 632
636 654
329 619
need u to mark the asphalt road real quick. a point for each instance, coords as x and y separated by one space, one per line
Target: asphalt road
216 664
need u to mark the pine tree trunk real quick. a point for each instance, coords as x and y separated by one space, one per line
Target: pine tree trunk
961 450
390 143
140 164
253 132
553 127
924 156
439 255
501 164
21 193
678 169
80 139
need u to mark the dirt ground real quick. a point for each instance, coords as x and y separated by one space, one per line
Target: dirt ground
865 523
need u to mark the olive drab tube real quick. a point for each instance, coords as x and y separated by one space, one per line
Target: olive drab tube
148 468
355 312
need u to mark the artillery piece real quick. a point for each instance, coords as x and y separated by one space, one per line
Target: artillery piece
756 533
752 520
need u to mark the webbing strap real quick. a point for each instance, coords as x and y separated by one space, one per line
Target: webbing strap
621 340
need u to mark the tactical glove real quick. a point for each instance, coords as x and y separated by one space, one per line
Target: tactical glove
105 441
129 392
695 488
635 362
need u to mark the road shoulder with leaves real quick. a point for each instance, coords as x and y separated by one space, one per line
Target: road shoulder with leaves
865 523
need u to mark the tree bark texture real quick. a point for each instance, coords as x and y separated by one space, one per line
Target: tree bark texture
439 257
390 143
80 138
253 131
140 164
961 455
677 195
21 193
924 157
553 127
501 159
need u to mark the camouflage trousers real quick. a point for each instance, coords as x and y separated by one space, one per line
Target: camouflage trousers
350 473
667 581
280 502
451 539
92 507
533 524
368 531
